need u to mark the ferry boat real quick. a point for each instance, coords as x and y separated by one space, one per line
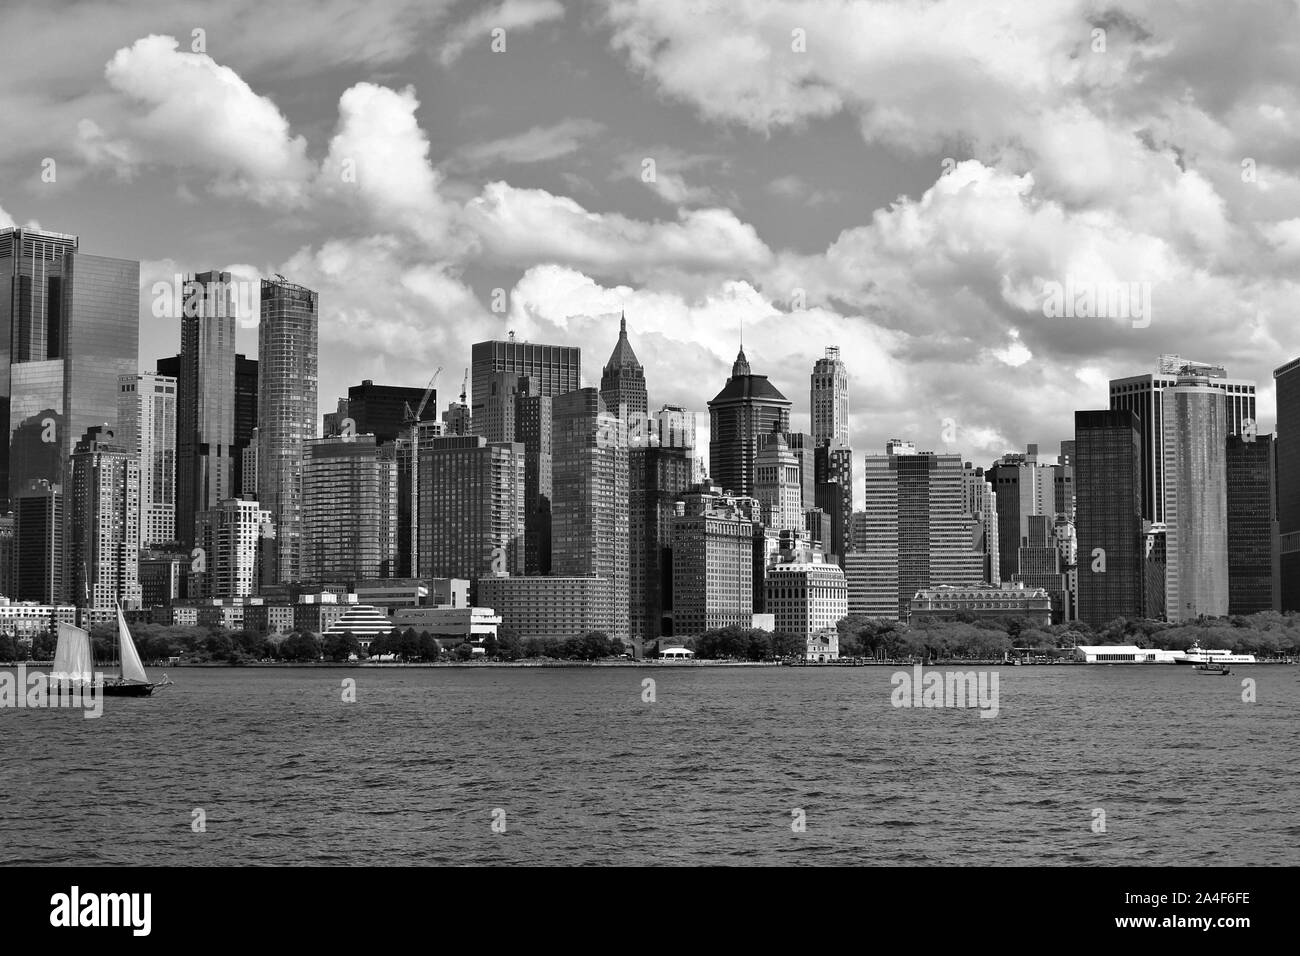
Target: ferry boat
1198 655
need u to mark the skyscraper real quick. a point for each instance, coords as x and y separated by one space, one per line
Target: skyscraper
657 477
1108 514
622 382
146 416
589 513
381 410
286 412
917 532
104 522
553 369
1287 378
69 323
205 407
1024 487
234 538
40 563
245 422
1140 394
829 400
712 566
833 493
748 407
534 429
778 484
982 505
1252 524
471 507
349 496
1196 429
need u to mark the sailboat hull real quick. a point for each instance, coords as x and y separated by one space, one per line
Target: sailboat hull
127 690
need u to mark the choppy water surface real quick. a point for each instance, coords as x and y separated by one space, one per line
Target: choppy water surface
586 772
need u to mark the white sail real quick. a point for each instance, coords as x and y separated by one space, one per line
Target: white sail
132 669
72 657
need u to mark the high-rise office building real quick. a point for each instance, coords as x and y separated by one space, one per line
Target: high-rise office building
589 513
1252 524
205 406
1041 567
471 507
245 422
534 424
381 410
40 562
917 532
712 566
622 381
69 326
1140 394
553 369
146 416
104 522
1196 429
1287 378
982 505
829 400
286 412
802 447
1063 478
778 484
833 493
657 477
1108 507
349 496
1024 487
746 409
235 540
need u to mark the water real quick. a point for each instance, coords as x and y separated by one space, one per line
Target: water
587 773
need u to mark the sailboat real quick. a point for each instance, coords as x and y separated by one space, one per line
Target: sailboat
131 680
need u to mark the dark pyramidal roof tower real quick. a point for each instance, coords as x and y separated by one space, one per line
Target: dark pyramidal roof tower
622 382
748 406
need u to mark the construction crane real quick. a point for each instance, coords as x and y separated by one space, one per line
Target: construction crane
464 384
413 419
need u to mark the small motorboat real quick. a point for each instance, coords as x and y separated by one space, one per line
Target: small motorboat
1212 669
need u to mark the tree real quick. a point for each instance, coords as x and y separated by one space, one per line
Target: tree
8 648
43 645
595 645
509 646
785 644
464 651
429 647
300 647
339 647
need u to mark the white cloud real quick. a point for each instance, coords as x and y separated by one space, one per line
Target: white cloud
511 15
527 226
198 114
539 144
379 158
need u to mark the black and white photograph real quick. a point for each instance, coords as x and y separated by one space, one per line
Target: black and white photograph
658 434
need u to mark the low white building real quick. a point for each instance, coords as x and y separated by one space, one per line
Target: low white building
823 646
675 654
473 624
1126 654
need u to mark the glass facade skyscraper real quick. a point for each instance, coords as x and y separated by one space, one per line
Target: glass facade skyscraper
286 412
146 415
69 326
1108 514
553 370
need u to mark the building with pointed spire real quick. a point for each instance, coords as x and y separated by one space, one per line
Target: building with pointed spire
748 407
622 382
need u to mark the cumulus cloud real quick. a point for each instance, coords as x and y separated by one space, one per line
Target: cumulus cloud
379 158
526 226
194 113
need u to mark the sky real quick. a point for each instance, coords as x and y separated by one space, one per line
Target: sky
914 182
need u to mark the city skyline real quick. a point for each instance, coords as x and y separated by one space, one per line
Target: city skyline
926 263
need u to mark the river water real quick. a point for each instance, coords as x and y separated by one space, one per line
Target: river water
574 767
